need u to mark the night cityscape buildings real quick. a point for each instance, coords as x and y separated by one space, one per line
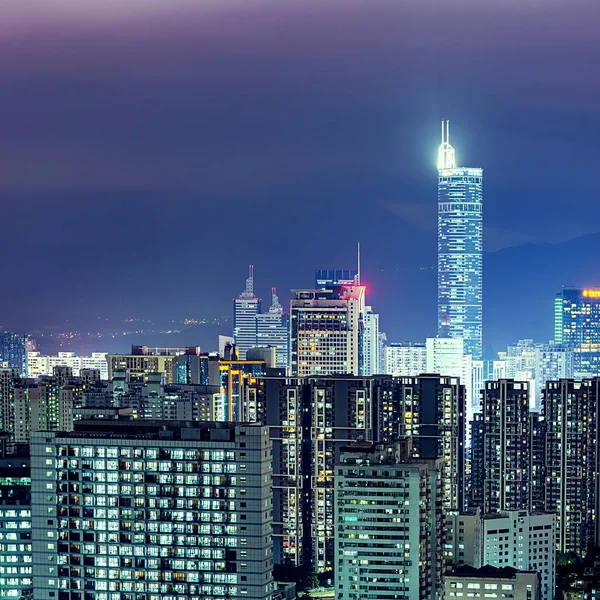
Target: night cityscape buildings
460 249
309 445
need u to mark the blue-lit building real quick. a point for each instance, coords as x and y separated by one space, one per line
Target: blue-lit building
273 330
577 323
460 249
245 309
13 351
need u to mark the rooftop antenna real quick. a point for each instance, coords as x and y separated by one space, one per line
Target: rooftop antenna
446 158
358 263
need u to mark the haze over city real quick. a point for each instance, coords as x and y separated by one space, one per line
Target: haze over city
149 153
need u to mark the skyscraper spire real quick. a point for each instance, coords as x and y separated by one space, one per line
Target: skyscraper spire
249 291
275 307
358 264
446 159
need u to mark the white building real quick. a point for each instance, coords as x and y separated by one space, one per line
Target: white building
44 365
406 359
370 343
491 582
515 539
445 356
388 525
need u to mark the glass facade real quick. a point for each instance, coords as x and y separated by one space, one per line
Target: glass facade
577 323
460 256
13 351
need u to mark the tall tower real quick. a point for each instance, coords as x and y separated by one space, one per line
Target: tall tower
460 249
273 329
245 309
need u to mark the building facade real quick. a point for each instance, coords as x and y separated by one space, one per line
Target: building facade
389 526
405 359
577 323
326 331
39 364
572 462
460 250
245 309
152 511
14 351
15 526
370 346
273 330
506 445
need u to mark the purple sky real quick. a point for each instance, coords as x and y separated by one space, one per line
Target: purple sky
144 142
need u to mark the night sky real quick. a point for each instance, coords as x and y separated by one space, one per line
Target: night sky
150 150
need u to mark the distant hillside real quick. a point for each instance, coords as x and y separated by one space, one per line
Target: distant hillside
520 284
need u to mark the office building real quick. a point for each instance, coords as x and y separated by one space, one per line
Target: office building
144 360
505 467
245 309
405 359
389 526
518 539
572 461
577 323
445 356
195 367
430 411
273 330
154 510
326 331
460 249
492 582
39 364
327 278
369 347
14 351
15 524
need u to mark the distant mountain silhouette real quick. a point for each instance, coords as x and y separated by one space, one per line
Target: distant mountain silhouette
520 284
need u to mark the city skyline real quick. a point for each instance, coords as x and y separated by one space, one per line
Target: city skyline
152 148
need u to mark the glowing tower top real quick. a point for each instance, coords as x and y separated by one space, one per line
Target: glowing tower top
446 158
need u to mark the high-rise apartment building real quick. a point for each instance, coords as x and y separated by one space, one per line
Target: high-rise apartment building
153 510
370 346
389 527
572 461
14 351
39 364
273 330
245 308
405 359
460 249
8 379
430 411
577 323
326 331
506 463
310 419
144 360
15 525
518 539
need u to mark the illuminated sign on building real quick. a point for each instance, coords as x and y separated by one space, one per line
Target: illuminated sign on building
591 293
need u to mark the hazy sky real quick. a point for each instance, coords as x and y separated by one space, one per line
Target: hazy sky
150 150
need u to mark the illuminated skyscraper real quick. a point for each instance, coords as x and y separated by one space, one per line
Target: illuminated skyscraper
460 249
13 351
273 329
577 322
325 331
245 309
